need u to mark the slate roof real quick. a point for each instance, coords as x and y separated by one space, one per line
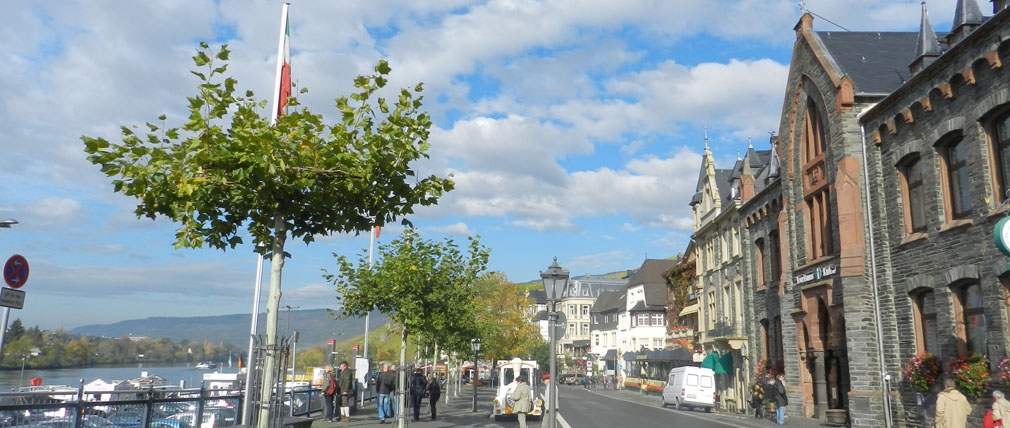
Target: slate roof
606 301
877 62
651 272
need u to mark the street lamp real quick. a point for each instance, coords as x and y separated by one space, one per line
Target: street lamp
475 346
555 285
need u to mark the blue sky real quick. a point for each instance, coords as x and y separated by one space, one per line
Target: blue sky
573 128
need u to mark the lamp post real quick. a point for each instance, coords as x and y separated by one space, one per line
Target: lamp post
555 285
475 346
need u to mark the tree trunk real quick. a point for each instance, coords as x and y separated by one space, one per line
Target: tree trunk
267 387
402 402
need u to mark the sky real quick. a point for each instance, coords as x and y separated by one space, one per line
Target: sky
572 129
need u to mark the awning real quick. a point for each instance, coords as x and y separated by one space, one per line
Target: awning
726 362
610 355
710 361
690 309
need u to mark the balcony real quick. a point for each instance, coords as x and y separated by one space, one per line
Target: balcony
682 332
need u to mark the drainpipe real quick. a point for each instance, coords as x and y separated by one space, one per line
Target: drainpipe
873 274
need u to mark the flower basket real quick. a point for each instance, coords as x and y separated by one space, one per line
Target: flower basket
923 371
970 374
1003 369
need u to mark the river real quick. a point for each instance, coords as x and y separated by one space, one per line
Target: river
184 375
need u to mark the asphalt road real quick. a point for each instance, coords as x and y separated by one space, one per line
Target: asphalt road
597 408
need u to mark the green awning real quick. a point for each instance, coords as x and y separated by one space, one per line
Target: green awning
711 361
726 363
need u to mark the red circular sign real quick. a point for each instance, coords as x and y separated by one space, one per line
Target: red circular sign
16 271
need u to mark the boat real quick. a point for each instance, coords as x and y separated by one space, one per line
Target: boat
206 365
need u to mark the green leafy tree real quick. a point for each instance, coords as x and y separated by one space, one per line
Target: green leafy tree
15 331
227 167
503 318
422 285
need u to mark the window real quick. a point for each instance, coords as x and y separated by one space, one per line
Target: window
643 319
816 190
970 312
924 317
711 309
571 330
1000 145
775 254
585 329
767 351
912 195
585 310
957 196
571 310
759 248
596 338
657 320
657 343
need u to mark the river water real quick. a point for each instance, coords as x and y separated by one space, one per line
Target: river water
184 375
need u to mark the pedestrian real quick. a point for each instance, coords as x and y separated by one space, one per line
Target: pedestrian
394 397
780 398
1000 409
345 383
757 395
417 387
434 393
522 396
605 382
383 387
329 391
952 408
548 411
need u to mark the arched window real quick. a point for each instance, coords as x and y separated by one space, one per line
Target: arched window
955 170
969 312
913 196
924 318
999 146
815 184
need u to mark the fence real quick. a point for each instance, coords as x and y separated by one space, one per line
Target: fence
141 408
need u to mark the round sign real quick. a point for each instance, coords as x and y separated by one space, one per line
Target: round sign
1001 235
16 271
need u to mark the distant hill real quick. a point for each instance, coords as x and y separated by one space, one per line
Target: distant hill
314 327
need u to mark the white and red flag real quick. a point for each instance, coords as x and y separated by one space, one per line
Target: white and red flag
283 82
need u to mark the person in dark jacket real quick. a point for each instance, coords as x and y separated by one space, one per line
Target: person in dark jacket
434 393
417 387
345 383
384 384
780 398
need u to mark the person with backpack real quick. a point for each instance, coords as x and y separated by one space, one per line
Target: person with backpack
329 391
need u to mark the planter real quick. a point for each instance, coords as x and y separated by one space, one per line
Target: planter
835 416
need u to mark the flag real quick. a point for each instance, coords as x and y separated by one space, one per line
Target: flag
377 228
283 64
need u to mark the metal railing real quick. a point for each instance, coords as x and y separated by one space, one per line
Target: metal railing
141 408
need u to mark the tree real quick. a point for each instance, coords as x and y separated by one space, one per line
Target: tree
227 168
504 319
15 331
422 285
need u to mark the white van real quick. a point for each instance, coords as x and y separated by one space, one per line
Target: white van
690 387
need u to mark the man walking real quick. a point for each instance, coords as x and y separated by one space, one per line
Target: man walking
417 387
383 387
780 398
952 408
523 400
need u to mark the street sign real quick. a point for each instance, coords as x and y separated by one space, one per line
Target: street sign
561 326
12 298
16 271
331 341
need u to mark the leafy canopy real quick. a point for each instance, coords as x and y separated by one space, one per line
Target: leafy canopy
226 166
422 285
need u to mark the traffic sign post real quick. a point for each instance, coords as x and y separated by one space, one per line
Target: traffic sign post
16 271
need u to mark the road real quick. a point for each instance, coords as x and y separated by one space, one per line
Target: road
597 408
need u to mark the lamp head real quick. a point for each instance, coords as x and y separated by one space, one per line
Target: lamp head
555 280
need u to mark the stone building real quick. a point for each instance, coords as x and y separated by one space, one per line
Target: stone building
867 234
939 147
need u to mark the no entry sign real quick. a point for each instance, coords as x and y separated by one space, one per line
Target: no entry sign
16 271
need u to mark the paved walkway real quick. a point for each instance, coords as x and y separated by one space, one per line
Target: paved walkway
457 412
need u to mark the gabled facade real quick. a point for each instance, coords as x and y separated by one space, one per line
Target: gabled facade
603 329
719 280
642 323
580 295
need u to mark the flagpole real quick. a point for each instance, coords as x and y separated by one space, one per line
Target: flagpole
268 377
247 402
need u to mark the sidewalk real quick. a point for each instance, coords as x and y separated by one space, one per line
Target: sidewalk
738 419
458 412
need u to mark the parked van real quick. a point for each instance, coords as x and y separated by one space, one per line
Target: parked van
690 387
